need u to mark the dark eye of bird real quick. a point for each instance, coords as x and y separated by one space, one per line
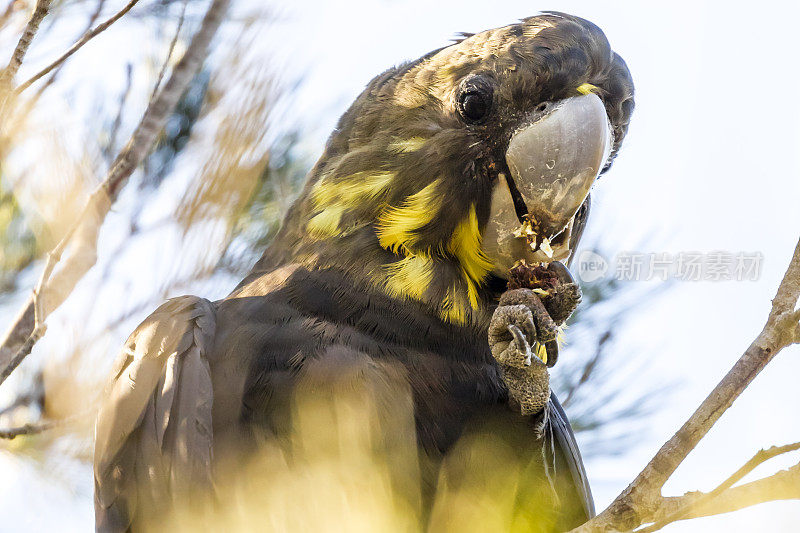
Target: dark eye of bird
474 106
475 99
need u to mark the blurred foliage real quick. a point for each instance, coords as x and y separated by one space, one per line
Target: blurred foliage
161 9
176 133
17 242
259 219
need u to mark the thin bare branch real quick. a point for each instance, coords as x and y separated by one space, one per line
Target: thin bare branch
23 352
88 36
18 56
640 499
783 485
588 369
54 287
795 317
46 425
7 12
171 49
52 78
158 110
702 500
27 429
115 126
98 9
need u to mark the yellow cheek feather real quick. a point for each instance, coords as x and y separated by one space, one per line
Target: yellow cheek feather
326 223
451 310
352 189
409 277
333 198
465 245
396 225
405 146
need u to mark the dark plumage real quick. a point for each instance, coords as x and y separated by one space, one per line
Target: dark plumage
363 286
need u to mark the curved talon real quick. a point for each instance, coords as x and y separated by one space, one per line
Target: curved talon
552 352
530 327
522 344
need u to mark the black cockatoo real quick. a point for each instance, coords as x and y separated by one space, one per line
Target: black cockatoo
392 268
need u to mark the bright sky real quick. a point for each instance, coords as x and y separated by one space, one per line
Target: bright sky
711 163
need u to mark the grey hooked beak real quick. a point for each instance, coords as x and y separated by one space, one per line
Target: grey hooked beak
554 161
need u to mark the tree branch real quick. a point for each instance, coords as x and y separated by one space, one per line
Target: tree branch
10 6
54 287
683 506
643 497
171 49
88 36
52 78
45 425
39 12
783 485
27 429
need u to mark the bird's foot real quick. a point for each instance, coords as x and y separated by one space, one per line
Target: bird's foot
522 336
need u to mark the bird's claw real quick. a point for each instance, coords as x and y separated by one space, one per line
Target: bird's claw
522 337
521 344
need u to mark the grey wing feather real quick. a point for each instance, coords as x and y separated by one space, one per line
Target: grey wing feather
565 440
153 437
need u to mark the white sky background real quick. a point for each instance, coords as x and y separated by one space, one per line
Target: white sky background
711 162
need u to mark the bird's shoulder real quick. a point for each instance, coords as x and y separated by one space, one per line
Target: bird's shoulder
153 435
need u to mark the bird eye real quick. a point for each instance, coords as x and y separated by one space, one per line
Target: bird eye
474 106
475 100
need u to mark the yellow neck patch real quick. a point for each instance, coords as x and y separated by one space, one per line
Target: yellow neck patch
332 198
326 223
398 229
465 245
411 276
352 189
397 225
